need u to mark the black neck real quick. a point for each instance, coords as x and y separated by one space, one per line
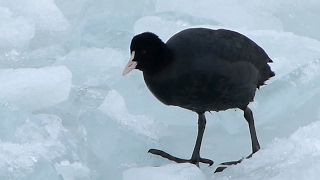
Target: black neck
163 59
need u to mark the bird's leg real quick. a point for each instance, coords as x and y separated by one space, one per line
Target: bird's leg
248 115
195 158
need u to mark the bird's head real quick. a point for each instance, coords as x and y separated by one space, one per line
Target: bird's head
147 52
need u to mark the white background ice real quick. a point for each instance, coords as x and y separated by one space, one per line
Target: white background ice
67 113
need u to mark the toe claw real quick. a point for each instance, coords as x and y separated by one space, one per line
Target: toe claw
155 151
207 161
219 169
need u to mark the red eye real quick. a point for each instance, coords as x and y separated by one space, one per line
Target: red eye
143 52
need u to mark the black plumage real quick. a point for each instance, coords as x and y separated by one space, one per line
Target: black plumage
202 70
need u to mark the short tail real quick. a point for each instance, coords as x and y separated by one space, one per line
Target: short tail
266 73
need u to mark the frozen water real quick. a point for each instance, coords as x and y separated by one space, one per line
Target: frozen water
15 31
45 15
170 171
296 157
34 89
114 106
75 170
31 143
93 66
230 13
67 113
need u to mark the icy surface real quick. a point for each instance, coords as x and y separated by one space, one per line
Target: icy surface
170 171
34 89
67 113
296 157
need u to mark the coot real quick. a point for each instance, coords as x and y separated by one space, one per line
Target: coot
201 70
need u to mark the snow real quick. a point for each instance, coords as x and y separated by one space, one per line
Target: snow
67 113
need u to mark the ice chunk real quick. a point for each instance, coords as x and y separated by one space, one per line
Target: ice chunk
298 16
296 157
114 106
113 146
170 171
15 31
49 24
307 49
34 89
31 144
178 16
94 66
44 14
74 170
292 85
42 57
98 8
31 59
230 13
100 23
103 33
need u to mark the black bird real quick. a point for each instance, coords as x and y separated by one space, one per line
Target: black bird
202 70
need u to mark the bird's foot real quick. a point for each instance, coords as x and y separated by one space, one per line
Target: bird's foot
220 169
236 162
232 162
195 161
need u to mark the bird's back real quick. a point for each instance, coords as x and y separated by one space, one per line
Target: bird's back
223 44
211 70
